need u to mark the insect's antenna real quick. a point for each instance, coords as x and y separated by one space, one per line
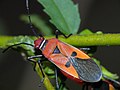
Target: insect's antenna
16 45
29 17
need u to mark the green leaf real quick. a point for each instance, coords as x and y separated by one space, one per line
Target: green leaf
109 74
64 15
48 70
86 32
39 23
89 32
105 71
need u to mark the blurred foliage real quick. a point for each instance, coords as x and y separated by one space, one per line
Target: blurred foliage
26 48
37 21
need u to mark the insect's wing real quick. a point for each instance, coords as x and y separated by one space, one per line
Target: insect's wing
87 70
62 62
69 51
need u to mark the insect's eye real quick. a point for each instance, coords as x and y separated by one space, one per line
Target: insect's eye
56 50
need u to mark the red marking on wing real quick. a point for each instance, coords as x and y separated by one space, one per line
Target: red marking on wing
59 60
72 78
67 50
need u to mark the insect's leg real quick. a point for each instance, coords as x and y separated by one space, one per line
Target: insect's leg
115 83
85 86
85 49
90 49
57 33
31 59
67 35
56 78
40 66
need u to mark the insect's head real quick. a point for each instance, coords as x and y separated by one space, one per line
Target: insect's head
38 42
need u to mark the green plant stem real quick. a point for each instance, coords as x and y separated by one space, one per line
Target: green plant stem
46 82
78 40
4 40
93 40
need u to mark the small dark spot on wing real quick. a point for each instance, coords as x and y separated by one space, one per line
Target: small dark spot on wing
56 50
67 64
73 53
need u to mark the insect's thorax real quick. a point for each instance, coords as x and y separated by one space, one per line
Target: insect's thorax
42 45
48 46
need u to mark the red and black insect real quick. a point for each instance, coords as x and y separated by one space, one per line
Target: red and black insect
72 62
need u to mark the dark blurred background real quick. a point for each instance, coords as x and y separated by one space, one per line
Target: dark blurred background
16 74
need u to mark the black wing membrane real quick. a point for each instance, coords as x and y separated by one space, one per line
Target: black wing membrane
87 70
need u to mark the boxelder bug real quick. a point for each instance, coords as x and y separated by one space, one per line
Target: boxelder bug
73 63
